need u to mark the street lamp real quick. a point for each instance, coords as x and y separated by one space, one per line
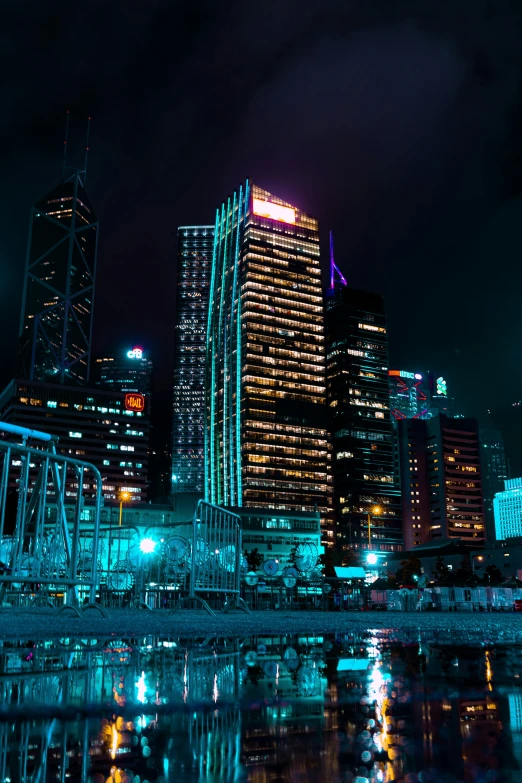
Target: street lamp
375 510
123 496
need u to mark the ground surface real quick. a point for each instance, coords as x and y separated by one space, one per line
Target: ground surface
45 623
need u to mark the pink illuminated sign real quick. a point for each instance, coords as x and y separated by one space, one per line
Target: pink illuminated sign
273 211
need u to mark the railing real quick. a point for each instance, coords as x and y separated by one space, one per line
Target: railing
40 560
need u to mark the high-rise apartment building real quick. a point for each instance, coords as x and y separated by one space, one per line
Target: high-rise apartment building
494 469
56 322
441 480
266 436
129 371
359 406
195 249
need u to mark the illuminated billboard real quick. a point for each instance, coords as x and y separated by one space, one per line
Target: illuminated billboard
273 211
136 353
134 402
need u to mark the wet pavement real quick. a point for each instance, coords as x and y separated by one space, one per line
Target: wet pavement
366 704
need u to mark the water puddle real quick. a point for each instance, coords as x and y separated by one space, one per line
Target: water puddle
349 708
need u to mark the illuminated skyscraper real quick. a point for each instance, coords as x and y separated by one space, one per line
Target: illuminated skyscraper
494 469
195 248
266 434
408 399
56 323
129 371
359 406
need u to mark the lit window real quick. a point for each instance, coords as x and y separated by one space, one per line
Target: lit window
75 435
52 404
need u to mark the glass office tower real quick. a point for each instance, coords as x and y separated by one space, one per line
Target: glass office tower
195 248
266 434
127 371
359 406
56 323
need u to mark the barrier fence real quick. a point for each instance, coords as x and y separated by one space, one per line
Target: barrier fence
40 561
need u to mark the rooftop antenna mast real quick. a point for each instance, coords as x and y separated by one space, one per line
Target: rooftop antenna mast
334 268
65 144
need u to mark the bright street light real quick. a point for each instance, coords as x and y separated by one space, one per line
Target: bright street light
147 546
371 559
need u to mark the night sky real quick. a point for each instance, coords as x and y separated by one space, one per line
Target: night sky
397 124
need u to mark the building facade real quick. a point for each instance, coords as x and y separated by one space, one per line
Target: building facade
507 507
267 442
130 371
195 250
60 273
441 481
408 397
494 469
359 407
93 425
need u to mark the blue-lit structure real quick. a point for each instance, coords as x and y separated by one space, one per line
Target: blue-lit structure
507 507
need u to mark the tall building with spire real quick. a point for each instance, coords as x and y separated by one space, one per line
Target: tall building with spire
195 248
60 272
267 442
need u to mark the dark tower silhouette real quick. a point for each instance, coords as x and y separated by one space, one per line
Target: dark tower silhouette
57 304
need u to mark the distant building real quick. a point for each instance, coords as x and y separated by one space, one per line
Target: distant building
60 273
439 400
267 442
109 429
507 507
441 480
195 250
359 408
408 397
494 469
130 371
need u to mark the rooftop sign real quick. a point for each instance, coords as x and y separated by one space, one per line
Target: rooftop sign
273 211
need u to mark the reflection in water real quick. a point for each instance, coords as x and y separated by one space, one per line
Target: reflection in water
360 708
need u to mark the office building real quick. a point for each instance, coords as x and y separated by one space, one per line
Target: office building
507 506
441 480
494 469
107 428
359 407
408 397
128 371
195 249
56 321
267 442
439 399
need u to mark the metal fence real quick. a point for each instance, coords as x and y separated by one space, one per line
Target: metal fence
39 558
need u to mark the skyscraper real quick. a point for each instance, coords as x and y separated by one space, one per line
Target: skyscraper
359 405
441 480
494 468
128 371
266 435
408 398
56 322
195 248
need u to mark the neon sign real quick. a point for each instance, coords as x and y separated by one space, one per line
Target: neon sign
442 388
136 353
134 402
273 211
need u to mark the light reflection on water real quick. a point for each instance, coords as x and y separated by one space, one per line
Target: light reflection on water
352 708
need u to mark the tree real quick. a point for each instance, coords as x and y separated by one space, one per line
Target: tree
465 572
440 570
410 568
254 559
328 560
493 575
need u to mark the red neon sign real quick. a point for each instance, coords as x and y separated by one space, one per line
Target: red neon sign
134 402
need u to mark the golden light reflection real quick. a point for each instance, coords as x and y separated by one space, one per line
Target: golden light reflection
115 741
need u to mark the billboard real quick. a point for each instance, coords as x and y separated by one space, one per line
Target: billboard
273 211
134 402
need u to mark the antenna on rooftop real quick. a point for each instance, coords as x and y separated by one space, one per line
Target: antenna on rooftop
334 268
86 150
65 143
